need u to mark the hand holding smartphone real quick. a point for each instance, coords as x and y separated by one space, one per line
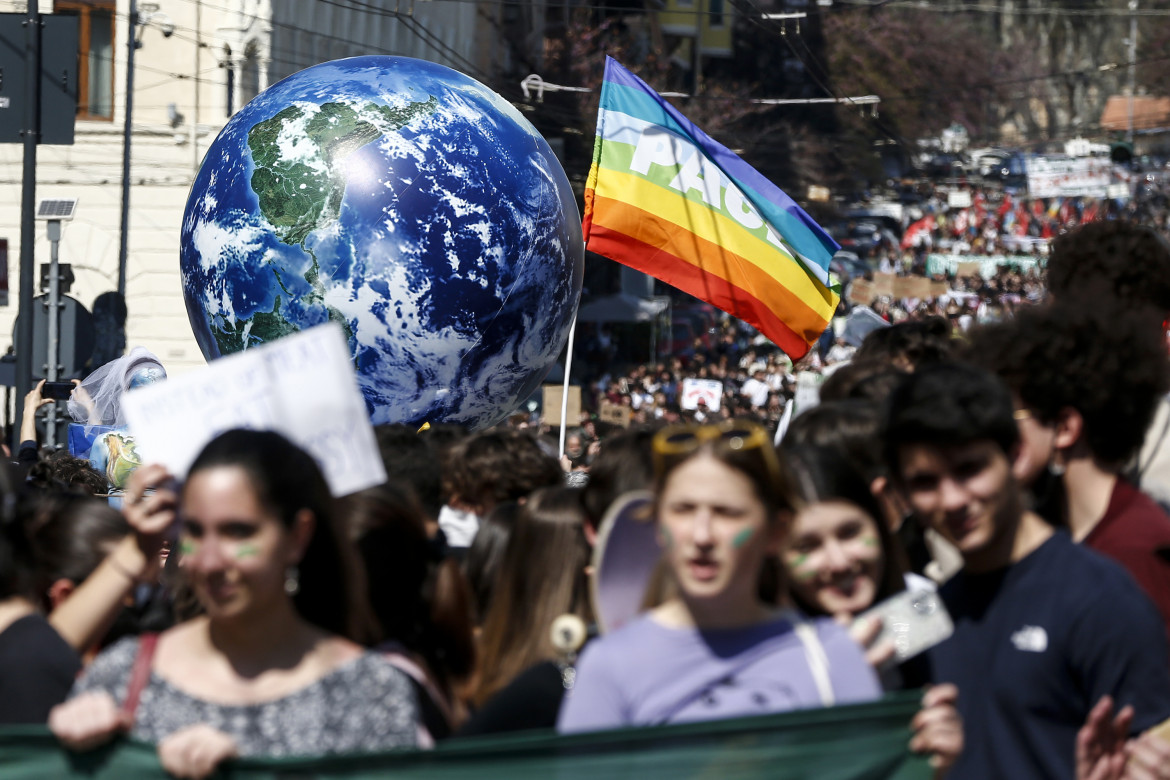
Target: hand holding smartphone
914 620
57 391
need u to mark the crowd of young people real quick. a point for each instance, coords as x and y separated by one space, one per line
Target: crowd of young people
246 612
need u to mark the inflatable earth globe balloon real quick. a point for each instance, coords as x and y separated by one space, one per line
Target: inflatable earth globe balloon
411 205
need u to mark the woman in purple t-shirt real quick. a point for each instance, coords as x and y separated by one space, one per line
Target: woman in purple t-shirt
715 649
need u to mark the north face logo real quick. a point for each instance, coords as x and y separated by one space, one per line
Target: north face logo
1031 639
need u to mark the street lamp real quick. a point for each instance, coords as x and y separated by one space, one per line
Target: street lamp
54 212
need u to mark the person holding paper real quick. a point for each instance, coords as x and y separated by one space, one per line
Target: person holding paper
267 669
841 558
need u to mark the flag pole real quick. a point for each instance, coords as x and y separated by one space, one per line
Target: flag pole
565 386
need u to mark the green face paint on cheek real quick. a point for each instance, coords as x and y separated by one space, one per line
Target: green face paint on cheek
247 551
665 537
743 537
186 547
869 541
799 573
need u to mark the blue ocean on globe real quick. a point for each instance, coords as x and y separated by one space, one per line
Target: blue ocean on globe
406 202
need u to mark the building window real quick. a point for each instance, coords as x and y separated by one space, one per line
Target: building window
95 79
249 74
716 13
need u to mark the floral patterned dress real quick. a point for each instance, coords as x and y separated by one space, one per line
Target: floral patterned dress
365 705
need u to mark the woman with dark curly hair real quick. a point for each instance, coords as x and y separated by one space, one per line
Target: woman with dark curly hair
487 469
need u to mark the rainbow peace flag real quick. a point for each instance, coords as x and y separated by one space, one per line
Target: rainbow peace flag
669 200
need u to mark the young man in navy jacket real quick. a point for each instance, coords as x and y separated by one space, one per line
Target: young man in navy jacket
1044 628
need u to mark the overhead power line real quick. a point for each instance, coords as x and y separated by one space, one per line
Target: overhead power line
937 7
534 83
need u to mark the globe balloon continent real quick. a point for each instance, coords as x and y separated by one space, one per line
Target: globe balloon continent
406 202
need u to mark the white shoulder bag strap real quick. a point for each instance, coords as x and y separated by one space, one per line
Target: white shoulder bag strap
814 653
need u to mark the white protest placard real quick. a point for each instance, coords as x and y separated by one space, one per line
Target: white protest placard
709 390
302 386
808 392
959 199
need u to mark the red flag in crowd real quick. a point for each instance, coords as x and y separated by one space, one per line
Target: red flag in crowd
916 230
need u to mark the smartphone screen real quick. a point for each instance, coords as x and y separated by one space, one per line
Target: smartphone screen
58 391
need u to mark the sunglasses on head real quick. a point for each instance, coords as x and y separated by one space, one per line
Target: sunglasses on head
731 434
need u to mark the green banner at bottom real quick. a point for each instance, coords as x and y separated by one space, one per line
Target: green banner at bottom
858 742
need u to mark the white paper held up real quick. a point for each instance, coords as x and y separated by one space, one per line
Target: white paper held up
302 386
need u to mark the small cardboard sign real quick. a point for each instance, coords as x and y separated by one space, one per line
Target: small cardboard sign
911 287
959 199
969 268
616 414
818 194
883 284
302 386
903 287
861 292
938 289
709 390
920 287
551 396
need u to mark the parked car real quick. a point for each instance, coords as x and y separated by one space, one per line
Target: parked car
861 237
848 266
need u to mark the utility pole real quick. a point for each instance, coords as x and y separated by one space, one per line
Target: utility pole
131 45
1133 4
696 53
195 158
28 201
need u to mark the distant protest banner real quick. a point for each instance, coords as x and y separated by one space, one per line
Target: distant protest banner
302 386
710 391
883 284
901 287
615 414
551 401
979 265
861 292
920 287
854 742
911 287
938 288
1068 177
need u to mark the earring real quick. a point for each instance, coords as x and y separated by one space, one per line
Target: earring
292 582
1056 464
